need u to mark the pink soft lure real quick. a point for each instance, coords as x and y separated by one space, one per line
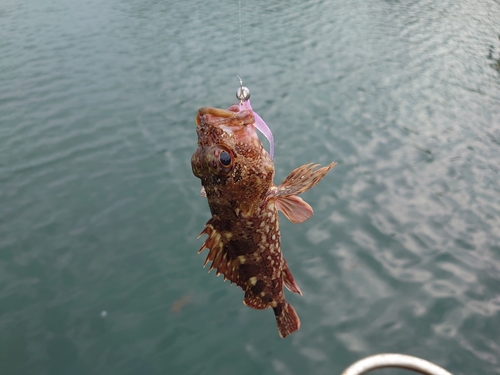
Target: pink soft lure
261 126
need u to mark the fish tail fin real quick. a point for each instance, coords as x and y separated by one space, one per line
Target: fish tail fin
287 319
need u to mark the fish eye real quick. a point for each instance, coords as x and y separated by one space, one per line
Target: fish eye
222 159
225 158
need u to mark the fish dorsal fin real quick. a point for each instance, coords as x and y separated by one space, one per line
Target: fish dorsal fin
294 208
215 243
302 179
288 280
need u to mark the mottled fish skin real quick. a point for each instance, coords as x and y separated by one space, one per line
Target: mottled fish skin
243 234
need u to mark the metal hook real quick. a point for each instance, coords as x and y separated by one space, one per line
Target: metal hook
243 93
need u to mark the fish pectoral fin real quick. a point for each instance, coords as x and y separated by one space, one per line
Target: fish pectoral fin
288 280
298 181
294 208
302 179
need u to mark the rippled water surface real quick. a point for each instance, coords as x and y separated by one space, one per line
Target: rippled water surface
100 210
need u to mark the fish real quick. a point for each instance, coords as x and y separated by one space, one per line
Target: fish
244 241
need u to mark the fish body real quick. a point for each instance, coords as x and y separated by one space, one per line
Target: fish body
237 174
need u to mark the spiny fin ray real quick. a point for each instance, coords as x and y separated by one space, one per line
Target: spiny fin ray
215 244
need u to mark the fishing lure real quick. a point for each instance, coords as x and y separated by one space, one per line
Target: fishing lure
243 95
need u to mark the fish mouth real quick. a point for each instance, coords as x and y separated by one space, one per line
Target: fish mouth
213 113
230 116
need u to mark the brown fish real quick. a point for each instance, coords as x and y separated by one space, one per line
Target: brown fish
243 234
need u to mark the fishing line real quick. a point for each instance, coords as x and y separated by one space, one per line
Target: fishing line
243 95
239 4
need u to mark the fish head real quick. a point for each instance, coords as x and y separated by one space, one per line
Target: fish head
235 169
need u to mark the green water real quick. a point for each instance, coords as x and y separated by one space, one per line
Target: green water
99 210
